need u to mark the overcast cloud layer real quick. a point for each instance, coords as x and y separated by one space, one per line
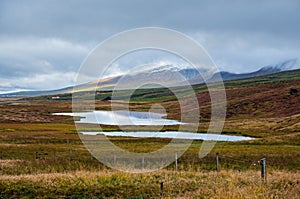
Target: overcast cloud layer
42 43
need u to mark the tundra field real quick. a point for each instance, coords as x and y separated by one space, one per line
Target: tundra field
42 155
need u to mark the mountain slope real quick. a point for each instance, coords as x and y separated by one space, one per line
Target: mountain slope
283 66
166 75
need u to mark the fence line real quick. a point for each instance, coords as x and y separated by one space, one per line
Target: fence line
218 160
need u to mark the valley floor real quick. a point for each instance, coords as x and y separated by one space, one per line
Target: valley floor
36 160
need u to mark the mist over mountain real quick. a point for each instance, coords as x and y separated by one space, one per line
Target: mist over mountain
197 76
266 70
168 75
187 72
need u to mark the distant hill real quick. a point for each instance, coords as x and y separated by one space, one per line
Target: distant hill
168 74
226 76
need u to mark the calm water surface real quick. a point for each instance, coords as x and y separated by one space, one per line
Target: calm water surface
144 118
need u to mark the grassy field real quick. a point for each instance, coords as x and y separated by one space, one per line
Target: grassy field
42 155
36 161
187 184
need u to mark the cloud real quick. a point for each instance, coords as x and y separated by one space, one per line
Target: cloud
146 59
52 80
248 51
28 56
96 20
39 63
44 38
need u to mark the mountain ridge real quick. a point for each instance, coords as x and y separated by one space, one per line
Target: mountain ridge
168 72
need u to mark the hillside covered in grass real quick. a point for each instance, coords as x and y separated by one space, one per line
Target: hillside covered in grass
42 155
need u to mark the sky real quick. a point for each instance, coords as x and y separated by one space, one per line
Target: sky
43 43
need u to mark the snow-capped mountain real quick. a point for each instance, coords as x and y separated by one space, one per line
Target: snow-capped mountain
160 76
282 66
170 75
167 75
187 71
193 76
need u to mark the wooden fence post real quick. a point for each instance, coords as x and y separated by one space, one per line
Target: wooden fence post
54 154
70 153
161 189
176 161
263 165
143 163
91 155
217 162
36 155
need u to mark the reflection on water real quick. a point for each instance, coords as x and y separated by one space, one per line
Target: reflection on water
172 134
143 118
122 118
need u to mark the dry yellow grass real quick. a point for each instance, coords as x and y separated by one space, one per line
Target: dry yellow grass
113 184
